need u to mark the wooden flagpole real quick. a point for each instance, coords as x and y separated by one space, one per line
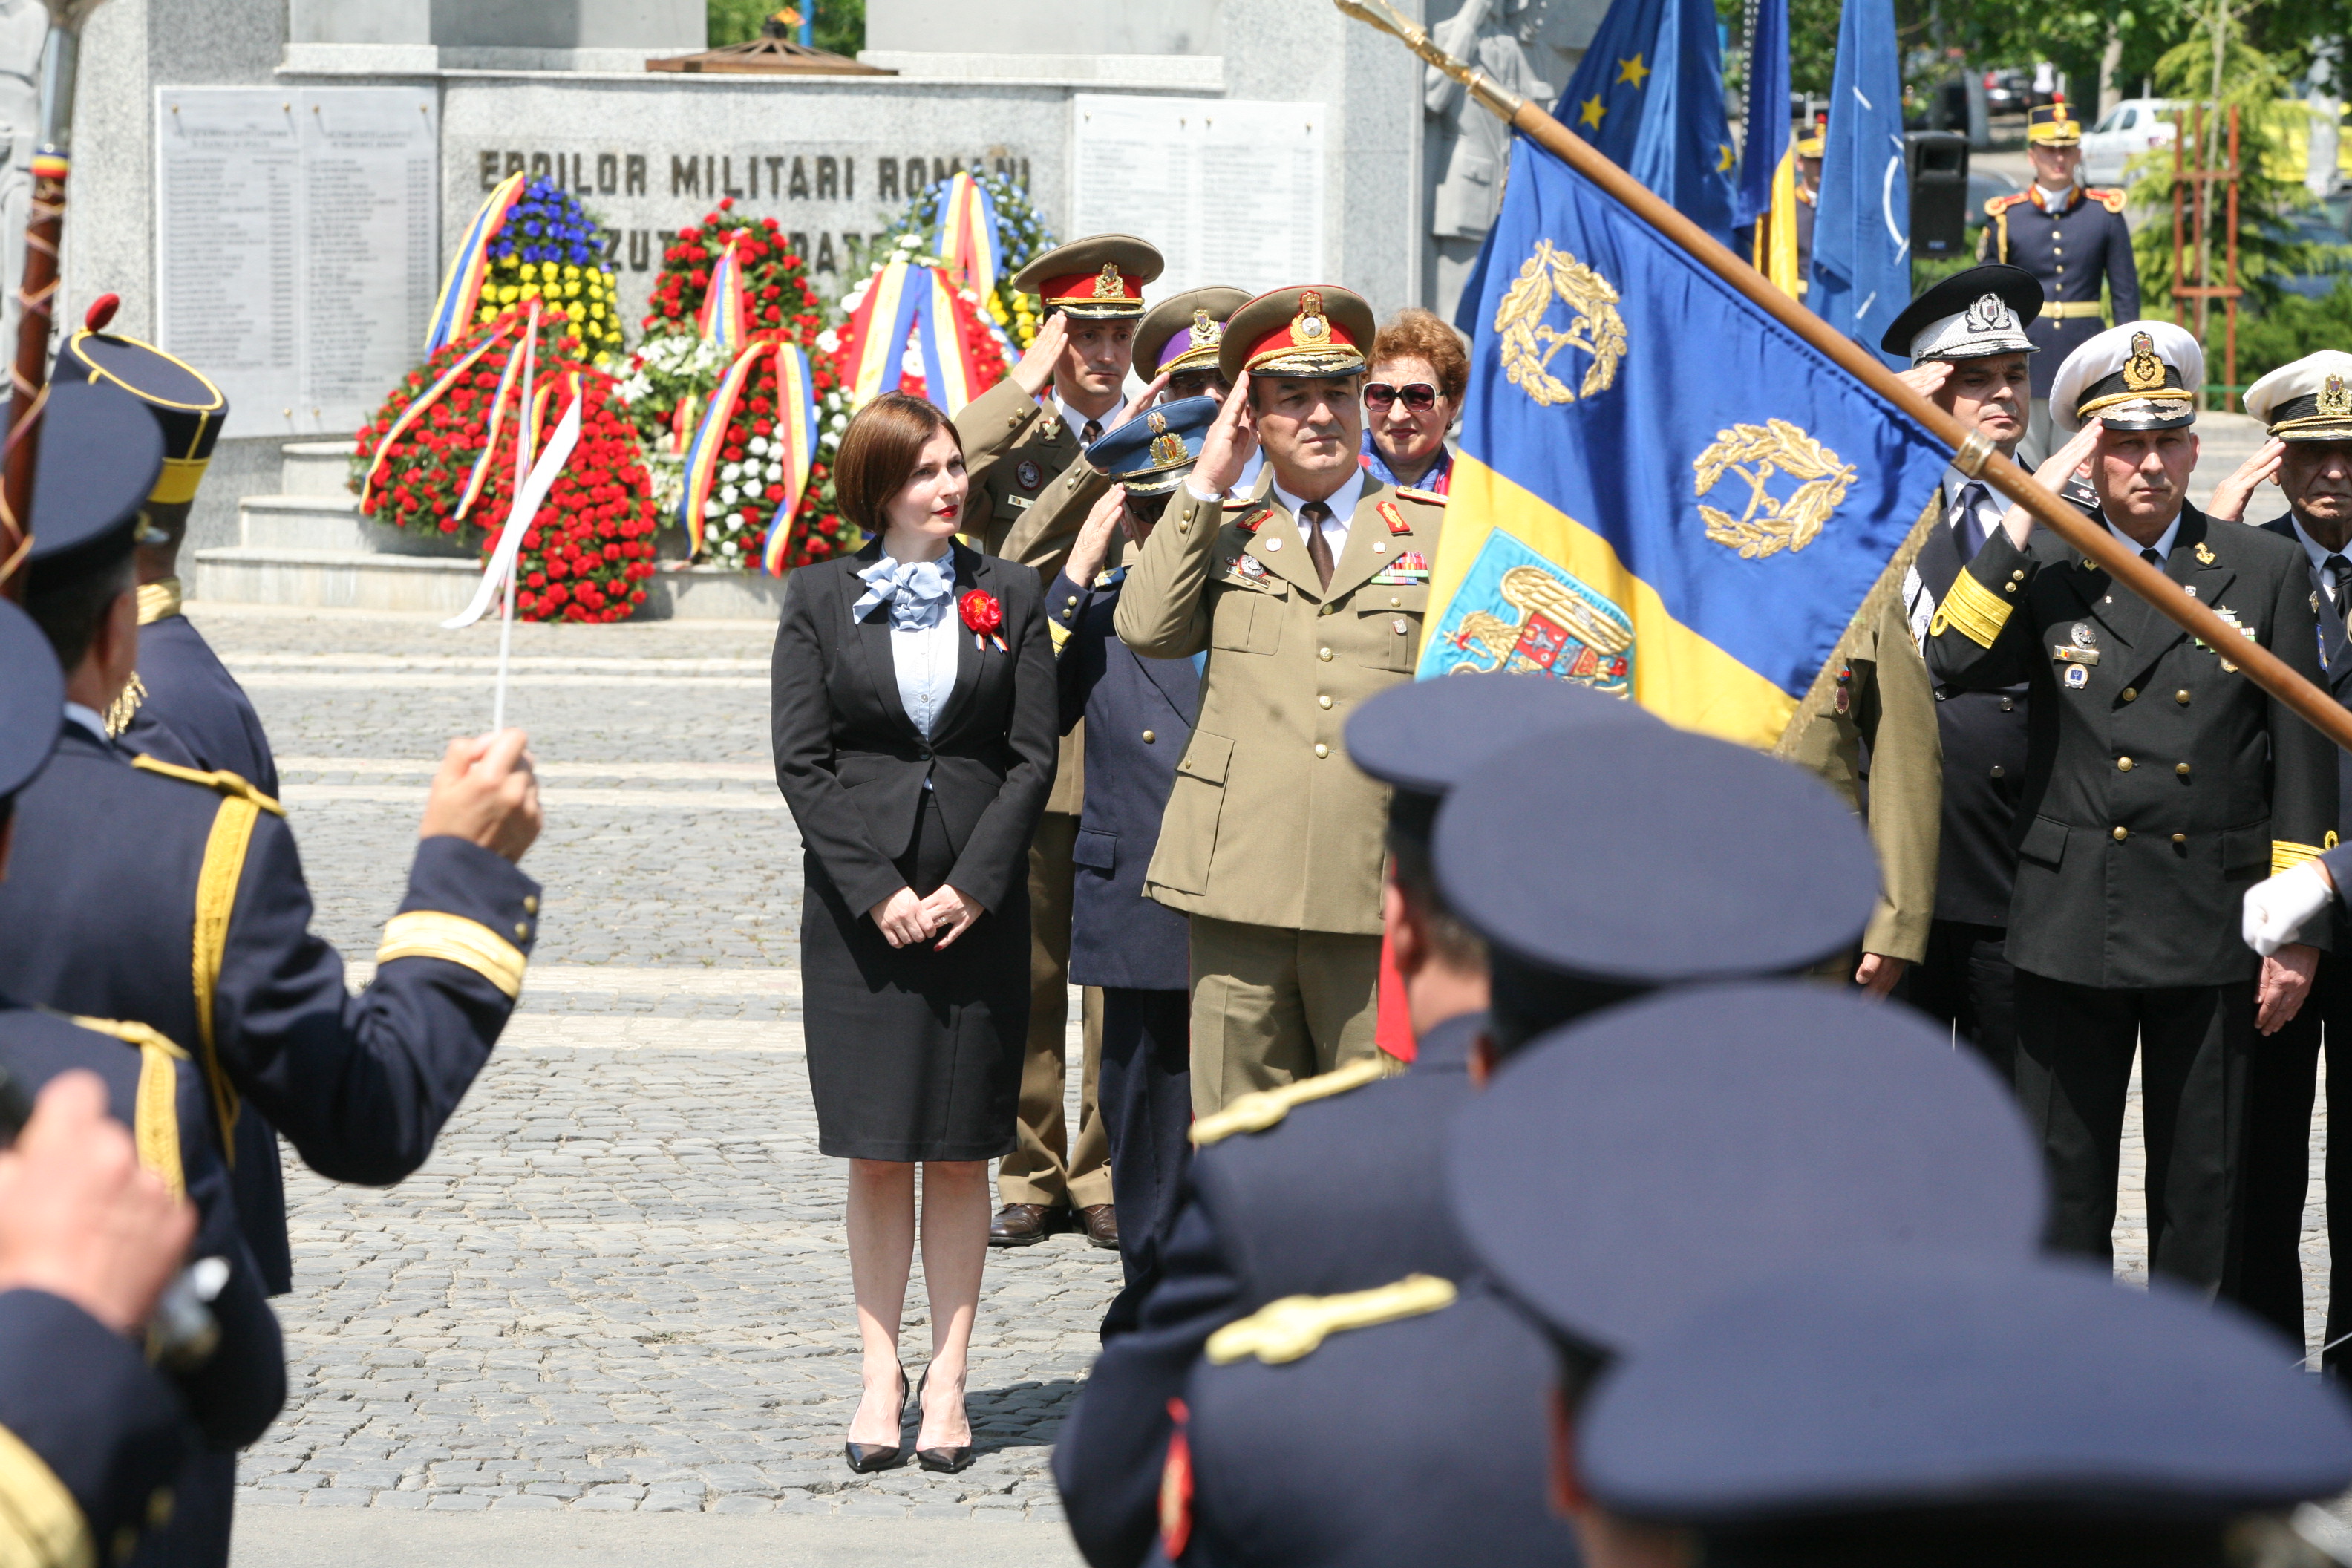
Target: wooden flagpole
1972 454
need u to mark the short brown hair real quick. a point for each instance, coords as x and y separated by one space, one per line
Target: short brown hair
1423 334
879 452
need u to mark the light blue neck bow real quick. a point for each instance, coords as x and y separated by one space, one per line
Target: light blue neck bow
917 591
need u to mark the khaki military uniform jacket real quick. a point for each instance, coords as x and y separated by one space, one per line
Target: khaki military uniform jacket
1015 450
1269 823
1885 702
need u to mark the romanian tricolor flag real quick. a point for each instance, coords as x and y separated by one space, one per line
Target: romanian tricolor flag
967 240
1662 492
703 453
794 447
461 291
722 319
881 322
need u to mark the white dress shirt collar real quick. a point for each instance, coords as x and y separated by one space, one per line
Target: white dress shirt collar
91 719
2163 546
1342 502
2318 553
1077 421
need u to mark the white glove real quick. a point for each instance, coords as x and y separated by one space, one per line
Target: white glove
2277 908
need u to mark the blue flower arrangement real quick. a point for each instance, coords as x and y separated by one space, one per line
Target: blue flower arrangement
552 247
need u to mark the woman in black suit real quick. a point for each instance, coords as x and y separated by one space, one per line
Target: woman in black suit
915 734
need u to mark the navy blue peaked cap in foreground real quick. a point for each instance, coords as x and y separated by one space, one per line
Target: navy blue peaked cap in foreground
1622 1171
1428 736
1662 856
32 699
101 451
181 400
2022 1391
1152 452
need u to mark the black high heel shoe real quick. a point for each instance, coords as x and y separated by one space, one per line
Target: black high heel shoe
868 1458
940 1461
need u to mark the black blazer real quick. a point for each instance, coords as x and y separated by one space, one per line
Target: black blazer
852 765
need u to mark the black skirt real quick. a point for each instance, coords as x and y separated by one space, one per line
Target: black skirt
913 1054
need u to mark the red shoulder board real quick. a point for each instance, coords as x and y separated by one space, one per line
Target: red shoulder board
1397 524
1426 498
1996 205
2111 200
1249 520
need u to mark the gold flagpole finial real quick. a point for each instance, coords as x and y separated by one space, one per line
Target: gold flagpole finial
1380 13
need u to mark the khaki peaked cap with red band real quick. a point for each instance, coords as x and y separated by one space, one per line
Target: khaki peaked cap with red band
1098 278
1315 328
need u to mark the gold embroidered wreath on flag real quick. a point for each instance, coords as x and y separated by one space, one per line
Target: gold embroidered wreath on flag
1529 343
1756 453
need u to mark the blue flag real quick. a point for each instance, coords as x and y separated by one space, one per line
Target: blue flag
1649 95
1862 230
1767 110
1662 491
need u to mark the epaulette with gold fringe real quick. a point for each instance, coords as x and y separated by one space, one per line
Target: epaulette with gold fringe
2111 200
1293 1327
1265 1108
220 781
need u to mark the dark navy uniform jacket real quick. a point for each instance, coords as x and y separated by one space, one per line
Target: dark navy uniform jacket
2161 784
195 712
2070 250
1139 715
239 1389
1341 1194
2335 660
98 917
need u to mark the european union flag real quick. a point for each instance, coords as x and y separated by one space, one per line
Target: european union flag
1662 491
1649 95
1768 111
1862 230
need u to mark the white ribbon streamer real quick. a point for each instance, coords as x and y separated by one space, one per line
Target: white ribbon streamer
526 507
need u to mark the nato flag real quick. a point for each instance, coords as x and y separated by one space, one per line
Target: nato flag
1649 95
1663 492
1862 230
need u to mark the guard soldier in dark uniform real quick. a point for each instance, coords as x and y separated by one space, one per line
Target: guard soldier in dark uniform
182 705
2161 784
2070 238
1139 715
1371 1429
1950 1411
1325 1186
225 1355
1966 339
2309 407
1019 438
194 920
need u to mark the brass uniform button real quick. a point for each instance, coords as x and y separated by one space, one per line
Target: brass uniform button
1321 749
2009 587
1148 738
530 903
2122 833
2180 768
2008 705
2122 764
1071 600
522 930
2017 576
1394 602
1999 771
1324 654
2181 697
2181 838
1324 701
2131 693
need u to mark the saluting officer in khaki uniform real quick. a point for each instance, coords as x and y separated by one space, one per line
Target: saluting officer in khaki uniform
1307 600
1018 437
1176 347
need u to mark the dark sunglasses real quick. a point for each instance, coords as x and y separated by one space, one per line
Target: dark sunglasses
1420 396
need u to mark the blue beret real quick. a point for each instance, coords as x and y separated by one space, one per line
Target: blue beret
1651 855
180 398
1958 1386
1382 1446
1621 1170
1152 452
101 452
1427 736
32 699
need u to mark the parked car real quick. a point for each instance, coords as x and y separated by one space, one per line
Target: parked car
2007 92
2322 225
2123 133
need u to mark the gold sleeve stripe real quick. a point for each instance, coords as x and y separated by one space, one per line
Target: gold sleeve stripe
222 781
156 1123
1293 1327
2286 854
223 867
41 1526
429 933
1057 631
159 601
1265 1107
1973 610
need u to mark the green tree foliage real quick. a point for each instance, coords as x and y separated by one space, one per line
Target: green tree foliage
840 24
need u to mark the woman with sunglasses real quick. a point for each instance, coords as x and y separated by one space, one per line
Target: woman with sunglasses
1411 400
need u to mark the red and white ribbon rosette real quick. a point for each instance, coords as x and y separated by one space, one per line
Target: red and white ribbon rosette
984 614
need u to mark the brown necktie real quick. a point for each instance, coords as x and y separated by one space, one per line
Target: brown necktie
1091 433
1319 549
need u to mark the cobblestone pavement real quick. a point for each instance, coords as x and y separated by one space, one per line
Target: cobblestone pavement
619 1284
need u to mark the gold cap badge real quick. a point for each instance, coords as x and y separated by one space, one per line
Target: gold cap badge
2333 401
1309 326
1205 330
2143 371
1107 286
1159 423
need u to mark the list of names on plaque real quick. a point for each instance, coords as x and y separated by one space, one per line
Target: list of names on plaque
296 248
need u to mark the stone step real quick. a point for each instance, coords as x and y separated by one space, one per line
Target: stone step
331 522
317 468
335 579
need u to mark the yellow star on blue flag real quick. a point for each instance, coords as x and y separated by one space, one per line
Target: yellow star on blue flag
1670 139
1632 71
1591 111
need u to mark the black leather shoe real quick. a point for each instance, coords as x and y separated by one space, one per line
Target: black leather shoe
940 1461
866 1459
1100 1221
1025 1225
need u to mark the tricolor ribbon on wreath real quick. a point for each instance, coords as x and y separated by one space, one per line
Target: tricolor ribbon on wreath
723 314
461 291
905 302
794 439
424 401
968 240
